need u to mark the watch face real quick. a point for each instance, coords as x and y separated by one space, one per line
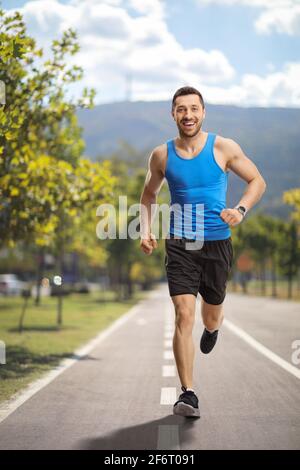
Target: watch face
241 208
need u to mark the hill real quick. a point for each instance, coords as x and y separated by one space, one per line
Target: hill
269 136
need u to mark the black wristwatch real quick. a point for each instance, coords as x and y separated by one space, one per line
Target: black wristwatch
242 210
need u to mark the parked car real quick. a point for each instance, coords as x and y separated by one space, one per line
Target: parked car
81 287
10 284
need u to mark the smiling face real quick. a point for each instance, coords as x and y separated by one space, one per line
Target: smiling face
188 115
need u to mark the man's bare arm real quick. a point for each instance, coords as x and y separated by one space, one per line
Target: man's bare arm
242 166
153 183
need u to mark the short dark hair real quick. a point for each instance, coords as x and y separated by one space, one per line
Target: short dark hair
187 90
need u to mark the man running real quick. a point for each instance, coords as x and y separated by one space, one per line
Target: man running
196 165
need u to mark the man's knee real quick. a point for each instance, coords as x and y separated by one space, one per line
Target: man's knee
214 298
213 320
184 318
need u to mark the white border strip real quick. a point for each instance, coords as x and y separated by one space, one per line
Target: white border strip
9 406
262 349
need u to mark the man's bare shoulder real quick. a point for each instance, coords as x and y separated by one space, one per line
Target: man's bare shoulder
226 145
160 151
158 157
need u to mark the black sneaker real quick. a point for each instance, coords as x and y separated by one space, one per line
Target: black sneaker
208 340
187 405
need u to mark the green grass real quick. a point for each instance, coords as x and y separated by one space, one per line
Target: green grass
254 288
41 345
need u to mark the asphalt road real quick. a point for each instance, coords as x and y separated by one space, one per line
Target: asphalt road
120 395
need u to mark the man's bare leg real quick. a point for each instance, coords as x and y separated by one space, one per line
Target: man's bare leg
212 315
183 345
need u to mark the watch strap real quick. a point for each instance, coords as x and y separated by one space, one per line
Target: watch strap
242 210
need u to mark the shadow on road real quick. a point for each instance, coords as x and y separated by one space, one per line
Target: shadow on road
143 436
21 362
43 328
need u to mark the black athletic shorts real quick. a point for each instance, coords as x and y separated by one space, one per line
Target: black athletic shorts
203 270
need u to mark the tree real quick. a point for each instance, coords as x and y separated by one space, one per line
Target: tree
126 260
238 248
292 197
38 129
256 240
289 258
45 183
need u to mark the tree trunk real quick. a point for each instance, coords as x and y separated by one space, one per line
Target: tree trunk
21 321
59 318
244 283
120 283
59 309
129 286
290 287
263 278
40 275
274 277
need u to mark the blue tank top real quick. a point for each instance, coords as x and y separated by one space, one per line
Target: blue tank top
198 194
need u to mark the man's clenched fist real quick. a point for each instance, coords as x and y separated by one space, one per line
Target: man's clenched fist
231 216
148 244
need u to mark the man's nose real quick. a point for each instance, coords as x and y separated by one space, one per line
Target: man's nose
188 114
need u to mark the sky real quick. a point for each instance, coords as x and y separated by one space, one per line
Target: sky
242 52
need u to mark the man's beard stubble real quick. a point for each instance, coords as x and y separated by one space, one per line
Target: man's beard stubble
186 135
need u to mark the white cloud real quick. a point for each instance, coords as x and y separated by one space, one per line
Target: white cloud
282 20
281 16
256 3
115 44
148 7
279 88
275 89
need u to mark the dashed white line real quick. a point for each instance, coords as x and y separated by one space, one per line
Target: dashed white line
169 327
168 371
168 437
15 402
168 354
168 395
169 334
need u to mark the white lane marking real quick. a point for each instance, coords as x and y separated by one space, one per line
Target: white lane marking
169 334
141 321
168 437
11 405
168 354
168 371
168 343
262 349
168 396
169 327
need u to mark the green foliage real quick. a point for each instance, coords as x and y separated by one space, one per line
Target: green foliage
272 243
292 197
45 183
